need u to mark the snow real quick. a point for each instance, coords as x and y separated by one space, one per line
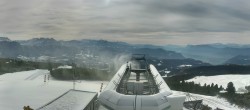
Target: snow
182 66
165 76
239 81
27 75
23 57
72 100
43 58
167 72
65 67
28 88
212 101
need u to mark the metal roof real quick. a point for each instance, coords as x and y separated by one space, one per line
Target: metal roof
71 100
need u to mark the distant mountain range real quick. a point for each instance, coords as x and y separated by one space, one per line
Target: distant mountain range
36 47
240 59
39 42
50 47
4 39
213 53
100 54
97 47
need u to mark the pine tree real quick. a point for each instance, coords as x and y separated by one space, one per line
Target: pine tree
221 88
230 88
50 67
205 85
247 88
208 89
216 88
212 85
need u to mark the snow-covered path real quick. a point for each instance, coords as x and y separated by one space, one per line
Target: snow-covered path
28 88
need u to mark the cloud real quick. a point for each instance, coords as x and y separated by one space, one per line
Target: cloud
134 21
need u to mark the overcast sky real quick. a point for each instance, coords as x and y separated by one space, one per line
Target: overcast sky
135 21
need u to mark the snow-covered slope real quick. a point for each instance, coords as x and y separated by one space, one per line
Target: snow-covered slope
212 101
239 81
28 88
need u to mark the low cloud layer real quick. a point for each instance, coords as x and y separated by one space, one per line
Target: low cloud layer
136 21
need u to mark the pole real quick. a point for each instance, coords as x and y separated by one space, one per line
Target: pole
74 79
45 78
101 87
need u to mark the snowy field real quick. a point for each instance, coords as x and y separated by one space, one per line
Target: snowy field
28 88
239 81
212 101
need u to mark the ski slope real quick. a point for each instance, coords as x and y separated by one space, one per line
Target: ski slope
28 88
239 81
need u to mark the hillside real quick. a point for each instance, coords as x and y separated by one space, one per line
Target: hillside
98 54
37 47
239 59
28 88
167 65
13 65
158 53
239 81
212 53
188 73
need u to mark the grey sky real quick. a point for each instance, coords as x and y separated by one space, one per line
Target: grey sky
134 21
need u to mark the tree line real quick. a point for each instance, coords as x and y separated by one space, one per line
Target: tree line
182 85
8 65
241 100
80 73
188 73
